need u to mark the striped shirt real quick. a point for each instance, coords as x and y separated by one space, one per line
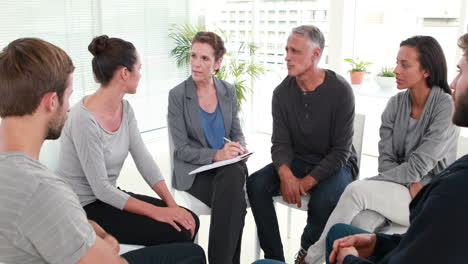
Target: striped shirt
41 219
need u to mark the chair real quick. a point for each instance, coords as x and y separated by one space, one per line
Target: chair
49 157
191 202
359 121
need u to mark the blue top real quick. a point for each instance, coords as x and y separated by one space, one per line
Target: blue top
213 127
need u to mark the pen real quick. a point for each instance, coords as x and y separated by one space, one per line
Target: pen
228 140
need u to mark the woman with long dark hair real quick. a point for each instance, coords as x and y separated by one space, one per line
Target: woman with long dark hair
417 141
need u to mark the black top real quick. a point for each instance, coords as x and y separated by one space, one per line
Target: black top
315 126
438 224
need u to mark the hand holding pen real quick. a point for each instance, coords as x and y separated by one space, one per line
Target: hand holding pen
244 150
240 146
230 150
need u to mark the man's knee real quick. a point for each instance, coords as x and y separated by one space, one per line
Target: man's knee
260 179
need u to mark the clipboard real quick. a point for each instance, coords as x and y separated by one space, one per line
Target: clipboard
221 163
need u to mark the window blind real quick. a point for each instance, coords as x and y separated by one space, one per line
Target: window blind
71 25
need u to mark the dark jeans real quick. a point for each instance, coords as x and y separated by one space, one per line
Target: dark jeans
222 189
130 228
176 253
339 231
264 184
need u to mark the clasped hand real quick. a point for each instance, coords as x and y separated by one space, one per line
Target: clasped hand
292 187
362 245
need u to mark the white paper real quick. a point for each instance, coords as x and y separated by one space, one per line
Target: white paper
221 163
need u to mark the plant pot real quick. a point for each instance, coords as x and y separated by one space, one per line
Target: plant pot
356 77
385 83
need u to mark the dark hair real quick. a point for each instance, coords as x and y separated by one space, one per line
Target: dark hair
213 40
432 59
109 55
30 68
463 44
312 33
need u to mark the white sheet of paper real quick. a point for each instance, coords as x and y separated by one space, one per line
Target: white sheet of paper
221 163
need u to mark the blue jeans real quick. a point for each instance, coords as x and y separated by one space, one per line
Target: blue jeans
264 184
174 253
339 231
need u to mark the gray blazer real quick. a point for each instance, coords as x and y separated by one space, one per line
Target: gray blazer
190 149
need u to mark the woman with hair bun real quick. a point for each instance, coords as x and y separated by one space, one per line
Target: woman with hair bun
100 132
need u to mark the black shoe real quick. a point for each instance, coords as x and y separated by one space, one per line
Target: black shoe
300 256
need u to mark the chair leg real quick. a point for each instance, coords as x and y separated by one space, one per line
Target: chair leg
289 223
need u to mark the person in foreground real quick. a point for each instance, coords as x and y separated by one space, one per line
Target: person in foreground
438 215
41 217
202 111
313 115
417 141
98 135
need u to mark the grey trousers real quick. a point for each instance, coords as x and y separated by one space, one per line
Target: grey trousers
222 189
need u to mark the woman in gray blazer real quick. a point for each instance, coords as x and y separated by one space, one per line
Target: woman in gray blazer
202 112
417 141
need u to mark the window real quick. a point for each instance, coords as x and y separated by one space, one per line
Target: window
71 25
262 15
241 14
388 27
282 24
242 34
271 35
281 35
271 14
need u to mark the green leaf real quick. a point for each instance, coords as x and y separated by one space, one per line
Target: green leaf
357 65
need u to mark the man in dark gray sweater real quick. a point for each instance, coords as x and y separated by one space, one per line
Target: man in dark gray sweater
313 115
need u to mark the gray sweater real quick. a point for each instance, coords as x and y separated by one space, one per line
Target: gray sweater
434 141
91 157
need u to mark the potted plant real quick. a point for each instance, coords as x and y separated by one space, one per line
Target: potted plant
358 69
386 78
238 65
